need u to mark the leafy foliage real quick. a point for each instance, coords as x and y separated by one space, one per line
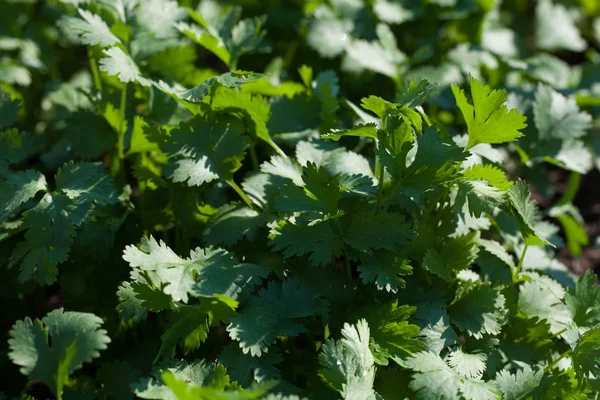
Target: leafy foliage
297 200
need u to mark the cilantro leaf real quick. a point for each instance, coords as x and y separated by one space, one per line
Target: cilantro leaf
520 385
586 358
435 328
542 298
526 210
121 64
90 30
393 336
53 348
583 300
556 29
370 231
467 365
386 269
245 369
455 254
557 116
434 379
18 189
347 365
8 109
206 272
366 130
319 240
51 224
198 159
478 309
197 373
232 80
488 120
276 311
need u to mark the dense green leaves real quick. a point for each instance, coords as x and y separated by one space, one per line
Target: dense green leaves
298 200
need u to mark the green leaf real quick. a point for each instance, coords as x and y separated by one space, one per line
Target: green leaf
467 365
53 348
526 210
542 298
385 269
19 188
493 175
434 379
190 327
583 301
480 197
416 93
586 354
488 119
478 309
115 379
206 272
520 385
52 223
197 159
232 80
393 336
556 29
276 311
245 369
320 193
558 116
130 306
347 365
120 64
89 30
319 240
8 109
254 108
202 37
197 373
435 329
455 254
370 231
366 130
232 223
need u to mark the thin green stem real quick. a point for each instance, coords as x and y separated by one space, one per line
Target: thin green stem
273 145
346 261
254 158
122 111
555 362
520 265
380 191
241 193
95 71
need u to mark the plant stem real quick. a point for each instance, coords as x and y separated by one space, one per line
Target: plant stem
122 111
520 265
254 159
555 362
380 191
95 71
239 191
271 143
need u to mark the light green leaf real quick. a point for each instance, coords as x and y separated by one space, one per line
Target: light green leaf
347 365
488 119
91 30
555 28
558 116
53 348
478 309
120 64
